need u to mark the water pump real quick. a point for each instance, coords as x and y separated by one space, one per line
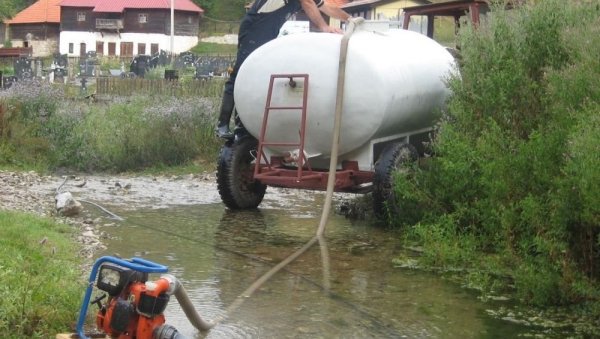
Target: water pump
130 306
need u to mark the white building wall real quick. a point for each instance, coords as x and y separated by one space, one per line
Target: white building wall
181 43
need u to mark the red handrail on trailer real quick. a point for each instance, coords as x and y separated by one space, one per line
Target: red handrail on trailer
274 171
268 107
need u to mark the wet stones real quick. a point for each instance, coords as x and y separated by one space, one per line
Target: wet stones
66 205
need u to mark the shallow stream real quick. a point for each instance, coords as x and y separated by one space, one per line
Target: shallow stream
345 288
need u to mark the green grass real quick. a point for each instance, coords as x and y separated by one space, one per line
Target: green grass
230 10
214 49
39 270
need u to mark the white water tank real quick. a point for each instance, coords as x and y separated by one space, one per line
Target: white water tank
394 84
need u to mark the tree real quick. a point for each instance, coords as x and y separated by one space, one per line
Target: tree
8 8
223 9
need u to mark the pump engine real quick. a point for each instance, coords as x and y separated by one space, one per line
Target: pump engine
130 306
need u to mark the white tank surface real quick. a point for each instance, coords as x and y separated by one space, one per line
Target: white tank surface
394 84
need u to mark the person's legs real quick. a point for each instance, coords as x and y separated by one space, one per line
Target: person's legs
227 106
251 36
228 103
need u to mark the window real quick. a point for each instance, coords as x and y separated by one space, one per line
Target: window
112 48
141 48
82 49
71 48
80 16
126 49
190 20
153 49
100 47
143 18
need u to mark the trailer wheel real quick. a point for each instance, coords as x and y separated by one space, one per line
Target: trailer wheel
235 170
395 157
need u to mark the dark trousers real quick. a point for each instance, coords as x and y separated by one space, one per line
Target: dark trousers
255 31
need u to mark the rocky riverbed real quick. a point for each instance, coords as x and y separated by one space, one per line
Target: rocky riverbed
31 192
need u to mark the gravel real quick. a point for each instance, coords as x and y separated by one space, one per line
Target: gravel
33 193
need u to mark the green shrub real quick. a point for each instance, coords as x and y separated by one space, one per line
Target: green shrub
106 63
26 108
513 186
6 69
144 132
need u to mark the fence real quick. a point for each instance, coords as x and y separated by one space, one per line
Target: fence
109 86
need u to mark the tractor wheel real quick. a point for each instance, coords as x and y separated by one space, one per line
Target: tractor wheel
395 157
235 170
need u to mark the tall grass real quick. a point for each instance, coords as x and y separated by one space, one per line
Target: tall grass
40 295
40 125
514 188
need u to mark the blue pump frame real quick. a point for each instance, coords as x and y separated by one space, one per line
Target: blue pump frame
135 263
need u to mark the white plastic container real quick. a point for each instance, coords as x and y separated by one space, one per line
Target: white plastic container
394 86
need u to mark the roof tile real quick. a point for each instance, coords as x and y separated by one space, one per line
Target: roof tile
41 11
118 6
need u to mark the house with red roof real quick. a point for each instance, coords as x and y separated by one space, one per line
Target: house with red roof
37 26
127 27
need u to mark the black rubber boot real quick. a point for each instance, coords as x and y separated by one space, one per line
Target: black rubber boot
227 106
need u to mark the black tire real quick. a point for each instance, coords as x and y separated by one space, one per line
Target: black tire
235 170
395 157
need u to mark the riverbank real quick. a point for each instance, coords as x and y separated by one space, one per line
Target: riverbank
30 192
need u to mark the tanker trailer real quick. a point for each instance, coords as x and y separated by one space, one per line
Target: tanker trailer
286 91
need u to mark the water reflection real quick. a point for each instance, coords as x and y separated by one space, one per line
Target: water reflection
344 287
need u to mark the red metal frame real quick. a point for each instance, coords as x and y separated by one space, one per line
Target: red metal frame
274 172
454 9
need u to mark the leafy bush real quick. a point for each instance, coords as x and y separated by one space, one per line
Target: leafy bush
26 108
514 185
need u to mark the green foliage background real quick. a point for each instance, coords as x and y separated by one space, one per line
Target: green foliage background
512 194
8 8
37 129
223 9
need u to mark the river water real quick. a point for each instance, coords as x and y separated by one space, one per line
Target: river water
346 287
